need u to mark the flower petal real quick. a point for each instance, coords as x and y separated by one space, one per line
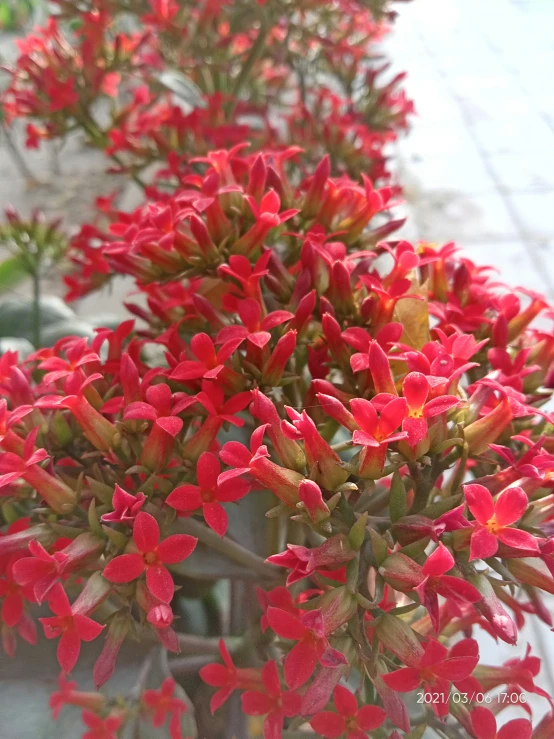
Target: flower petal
479 501
345 702
125 568
404 680
518 539
415 389
483 723
207 470
439 562
146 532
300 665
518 728
370 717
69 648
285 624
185 498
160 583
510 506
176 548
328 724
255 703
483 544
216 517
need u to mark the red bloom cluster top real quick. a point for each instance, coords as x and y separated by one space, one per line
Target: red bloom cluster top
387 395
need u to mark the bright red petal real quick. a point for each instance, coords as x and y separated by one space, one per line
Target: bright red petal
176 548
510 506
86 627
518 728
415 389
125 568
480 502
146 532
300 665
69 647
256 704
328 724
456 668
160 583
285 624
518 539
216 517
185 498
483 723
370 717
345 702
483 544
403 680
207 470
439 562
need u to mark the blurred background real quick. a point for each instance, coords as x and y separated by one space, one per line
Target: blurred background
478 166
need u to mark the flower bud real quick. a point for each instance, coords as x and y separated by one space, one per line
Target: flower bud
312 498
399 638
401 572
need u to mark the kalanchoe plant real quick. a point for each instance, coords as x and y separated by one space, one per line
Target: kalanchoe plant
156 83
385 396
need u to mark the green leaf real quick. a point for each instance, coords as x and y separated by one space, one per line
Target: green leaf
12 272
182 86
398 504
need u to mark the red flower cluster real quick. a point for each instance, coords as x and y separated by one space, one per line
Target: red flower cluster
354 423
364 421
158 115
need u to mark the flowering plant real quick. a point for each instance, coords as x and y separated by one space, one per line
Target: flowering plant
379 402
336 444
154 83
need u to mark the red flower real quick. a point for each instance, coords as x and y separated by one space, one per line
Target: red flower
493 521
163 703
42 570
71 626
228 678
437 668
255 329
437 583
151 557
483 724
12 466
273 703
209 493
78 354
312 646
208 364
350 720
101 728
415 389
125 506
303 562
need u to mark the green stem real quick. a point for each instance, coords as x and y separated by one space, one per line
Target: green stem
36 307
229 548
255 53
